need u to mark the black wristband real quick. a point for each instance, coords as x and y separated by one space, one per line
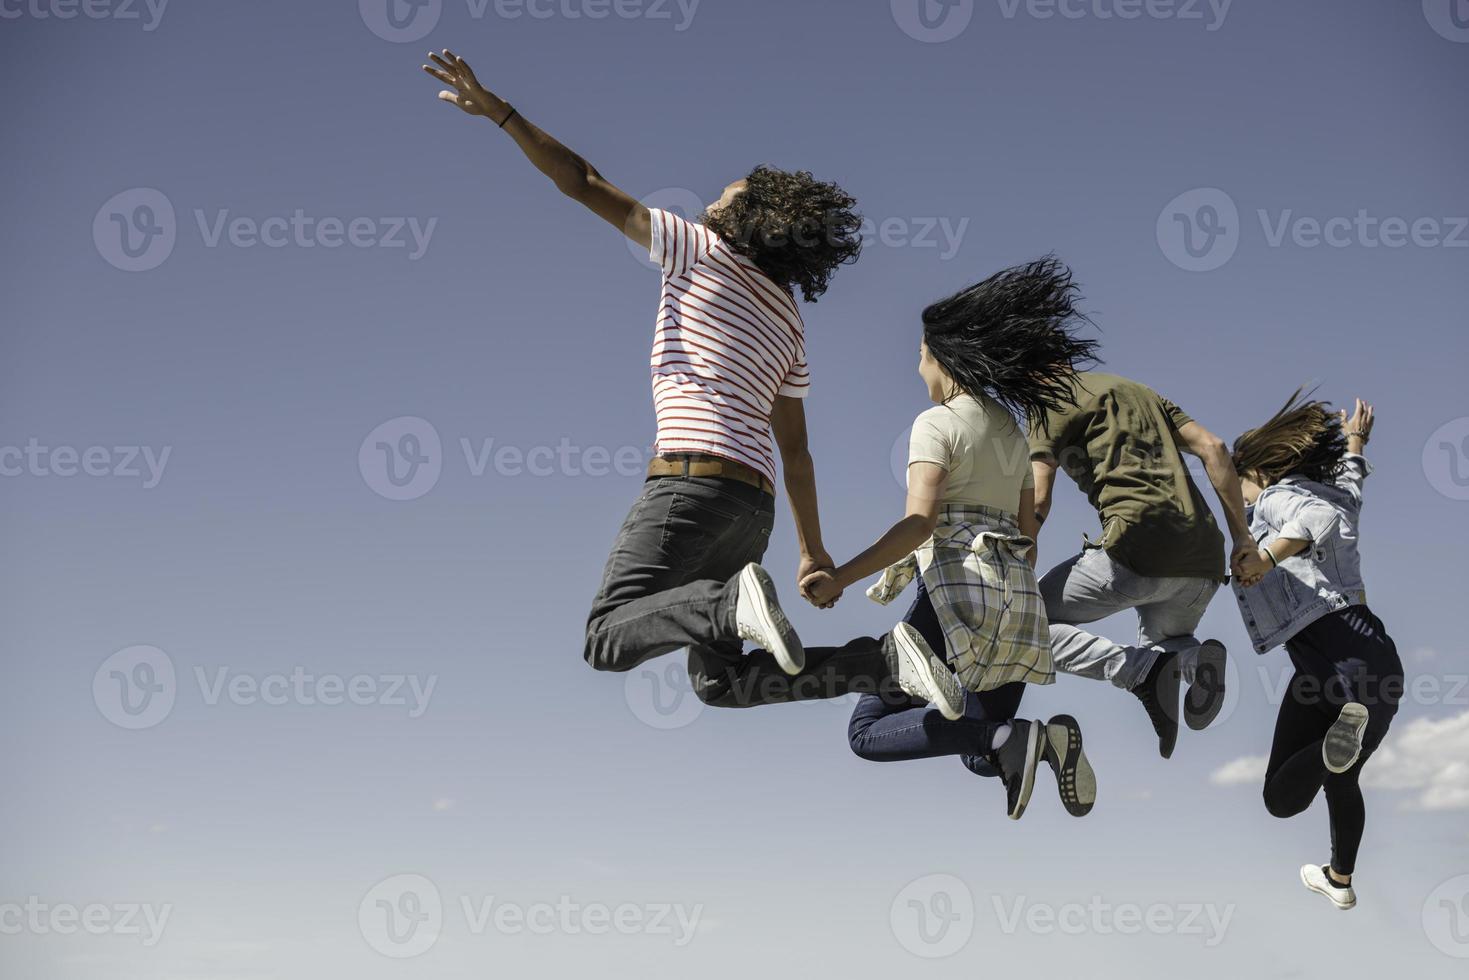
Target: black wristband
509 117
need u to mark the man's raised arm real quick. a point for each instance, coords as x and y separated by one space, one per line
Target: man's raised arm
572 175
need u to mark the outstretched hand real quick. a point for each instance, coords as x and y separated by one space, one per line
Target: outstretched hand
1358 426
466 92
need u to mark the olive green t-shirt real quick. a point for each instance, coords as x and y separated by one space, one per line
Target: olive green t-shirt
1120 444
983 449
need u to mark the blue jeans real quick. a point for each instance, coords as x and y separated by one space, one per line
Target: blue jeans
883 730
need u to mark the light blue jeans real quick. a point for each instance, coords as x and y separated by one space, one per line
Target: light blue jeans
1092 586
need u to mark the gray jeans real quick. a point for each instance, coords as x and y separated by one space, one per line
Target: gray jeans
1092 586
672 583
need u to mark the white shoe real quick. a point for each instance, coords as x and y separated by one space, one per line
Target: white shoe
1314 877
759 619
923 674
1342 746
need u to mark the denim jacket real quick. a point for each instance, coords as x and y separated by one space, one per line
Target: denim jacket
1324 578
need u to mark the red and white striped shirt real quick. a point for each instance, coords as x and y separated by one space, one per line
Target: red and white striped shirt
728 341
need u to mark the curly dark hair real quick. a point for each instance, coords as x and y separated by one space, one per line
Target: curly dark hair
1305 437
795 228
1013 337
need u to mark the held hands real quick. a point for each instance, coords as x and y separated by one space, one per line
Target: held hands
468 94
1248 564
821 589
817 569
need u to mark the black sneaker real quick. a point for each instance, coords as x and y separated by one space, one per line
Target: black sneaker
1017 761
1342 746
1205 695
1074 776
1159 694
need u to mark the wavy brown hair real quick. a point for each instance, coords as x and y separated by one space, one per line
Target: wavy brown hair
796 229
1304 438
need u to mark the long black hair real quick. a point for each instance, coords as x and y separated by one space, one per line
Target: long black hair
1014 337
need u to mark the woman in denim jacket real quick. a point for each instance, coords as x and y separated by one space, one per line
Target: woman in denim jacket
1302 475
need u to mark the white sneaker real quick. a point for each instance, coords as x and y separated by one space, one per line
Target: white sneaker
1314 877
923 674
1342 746
759 619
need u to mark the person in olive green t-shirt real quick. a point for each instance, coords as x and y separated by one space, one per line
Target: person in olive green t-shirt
1160 551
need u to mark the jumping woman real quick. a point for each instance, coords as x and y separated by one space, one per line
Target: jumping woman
1302 475
1001 349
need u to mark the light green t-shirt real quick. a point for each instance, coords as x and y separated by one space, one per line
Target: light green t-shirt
985 452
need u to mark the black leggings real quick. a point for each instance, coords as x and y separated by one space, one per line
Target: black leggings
1346 656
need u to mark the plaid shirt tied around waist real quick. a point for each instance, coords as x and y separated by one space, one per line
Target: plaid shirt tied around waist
985 594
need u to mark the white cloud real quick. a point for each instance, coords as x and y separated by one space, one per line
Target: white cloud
442 804
1249 769
1429 757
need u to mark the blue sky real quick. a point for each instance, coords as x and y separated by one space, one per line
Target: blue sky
361 700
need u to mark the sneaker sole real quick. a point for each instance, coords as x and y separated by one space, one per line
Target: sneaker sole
1199 713
1075 778
949 698
787 651
1344 906
1343 744
1032 763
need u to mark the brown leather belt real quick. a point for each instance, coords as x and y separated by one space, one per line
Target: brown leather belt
694 464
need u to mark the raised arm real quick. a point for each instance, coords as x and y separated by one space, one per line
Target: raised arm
1358 429
572 175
